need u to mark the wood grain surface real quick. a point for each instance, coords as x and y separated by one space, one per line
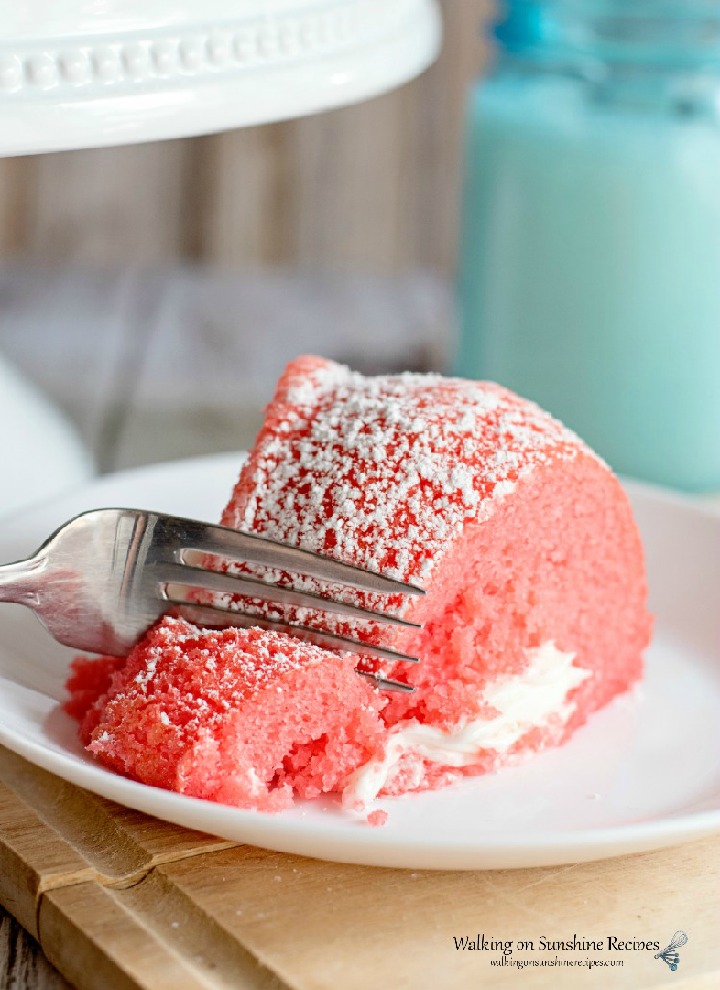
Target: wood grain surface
117 899
373 186
23 964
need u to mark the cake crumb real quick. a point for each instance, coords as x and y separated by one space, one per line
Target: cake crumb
377 818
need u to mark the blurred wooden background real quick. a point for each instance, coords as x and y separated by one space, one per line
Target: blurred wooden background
373 187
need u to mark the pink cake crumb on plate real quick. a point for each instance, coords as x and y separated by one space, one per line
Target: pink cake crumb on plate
534 614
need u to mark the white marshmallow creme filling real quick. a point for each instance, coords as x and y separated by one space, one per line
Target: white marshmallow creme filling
526 701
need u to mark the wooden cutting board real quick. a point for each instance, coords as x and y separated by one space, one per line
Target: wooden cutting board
120 900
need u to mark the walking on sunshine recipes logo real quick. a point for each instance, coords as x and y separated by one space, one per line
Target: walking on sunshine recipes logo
669 954
608 950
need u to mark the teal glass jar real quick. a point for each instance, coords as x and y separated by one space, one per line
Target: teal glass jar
590 259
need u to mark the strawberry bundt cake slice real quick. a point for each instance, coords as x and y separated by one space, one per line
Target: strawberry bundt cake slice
524 541
534 614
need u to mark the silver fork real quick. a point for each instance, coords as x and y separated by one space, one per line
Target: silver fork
103 578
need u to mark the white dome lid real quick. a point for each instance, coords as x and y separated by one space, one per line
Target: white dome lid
90 73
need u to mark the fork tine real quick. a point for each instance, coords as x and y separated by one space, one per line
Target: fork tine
209 615
384 683
235 545
239 584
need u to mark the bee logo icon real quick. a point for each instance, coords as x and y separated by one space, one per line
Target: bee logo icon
669 954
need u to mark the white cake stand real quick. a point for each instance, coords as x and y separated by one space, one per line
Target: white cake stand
86 73
90 73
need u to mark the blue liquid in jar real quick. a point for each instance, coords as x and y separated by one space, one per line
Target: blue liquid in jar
590 265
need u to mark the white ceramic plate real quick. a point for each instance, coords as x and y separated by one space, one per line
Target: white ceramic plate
644 773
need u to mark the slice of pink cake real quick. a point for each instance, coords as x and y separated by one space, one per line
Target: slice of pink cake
534 614
522 537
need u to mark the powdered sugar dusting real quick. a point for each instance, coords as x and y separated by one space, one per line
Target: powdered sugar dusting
385 472
256 656
241 662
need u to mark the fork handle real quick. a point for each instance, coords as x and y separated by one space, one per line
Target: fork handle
19 581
